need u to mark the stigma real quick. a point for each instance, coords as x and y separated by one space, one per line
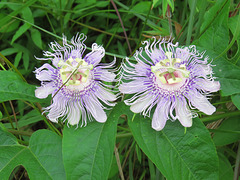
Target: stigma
75 73
170 70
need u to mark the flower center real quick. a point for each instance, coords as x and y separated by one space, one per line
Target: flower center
169 71
75 73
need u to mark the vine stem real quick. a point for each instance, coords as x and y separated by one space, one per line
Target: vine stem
118 163
236 170
125 34
219 116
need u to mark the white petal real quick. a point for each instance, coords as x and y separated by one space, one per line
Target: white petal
105 75
96 110
157 55
140 104
96 55
207 85
106 94
160 115
74 113
44 73
205 68
43 91
57 109
132 87
200 102
44 76
183 113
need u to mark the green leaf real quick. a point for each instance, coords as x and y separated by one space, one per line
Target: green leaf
14 88
228 75
212 14
176 154
17 59
30 118
225 72
225 168
229 136
47 147
121 49
42 159
20 32
90 149
216 37
9 51
142 7
15 12
36 37
156 3
102 4
6 137
26 60
27 15
9 26
236 100
234 26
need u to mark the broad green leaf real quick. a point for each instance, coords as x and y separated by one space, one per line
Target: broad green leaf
236 100
225 168
88 151
14 88
228 75
6 137
20 32
212 14
47 147
216 37
12 155
178 155
229 136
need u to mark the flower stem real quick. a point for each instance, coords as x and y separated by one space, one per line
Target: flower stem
8 115
124 135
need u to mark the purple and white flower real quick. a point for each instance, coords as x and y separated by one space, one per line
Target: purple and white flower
173 80
76 82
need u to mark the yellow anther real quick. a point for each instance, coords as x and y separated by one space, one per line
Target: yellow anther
74 71
161 77
178 60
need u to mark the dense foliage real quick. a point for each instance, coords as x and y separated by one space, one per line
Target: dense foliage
125 146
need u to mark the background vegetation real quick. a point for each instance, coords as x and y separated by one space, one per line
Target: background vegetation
32 147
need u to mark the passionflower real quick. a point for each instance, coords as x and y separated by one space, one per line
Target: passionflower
77 83
170 79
